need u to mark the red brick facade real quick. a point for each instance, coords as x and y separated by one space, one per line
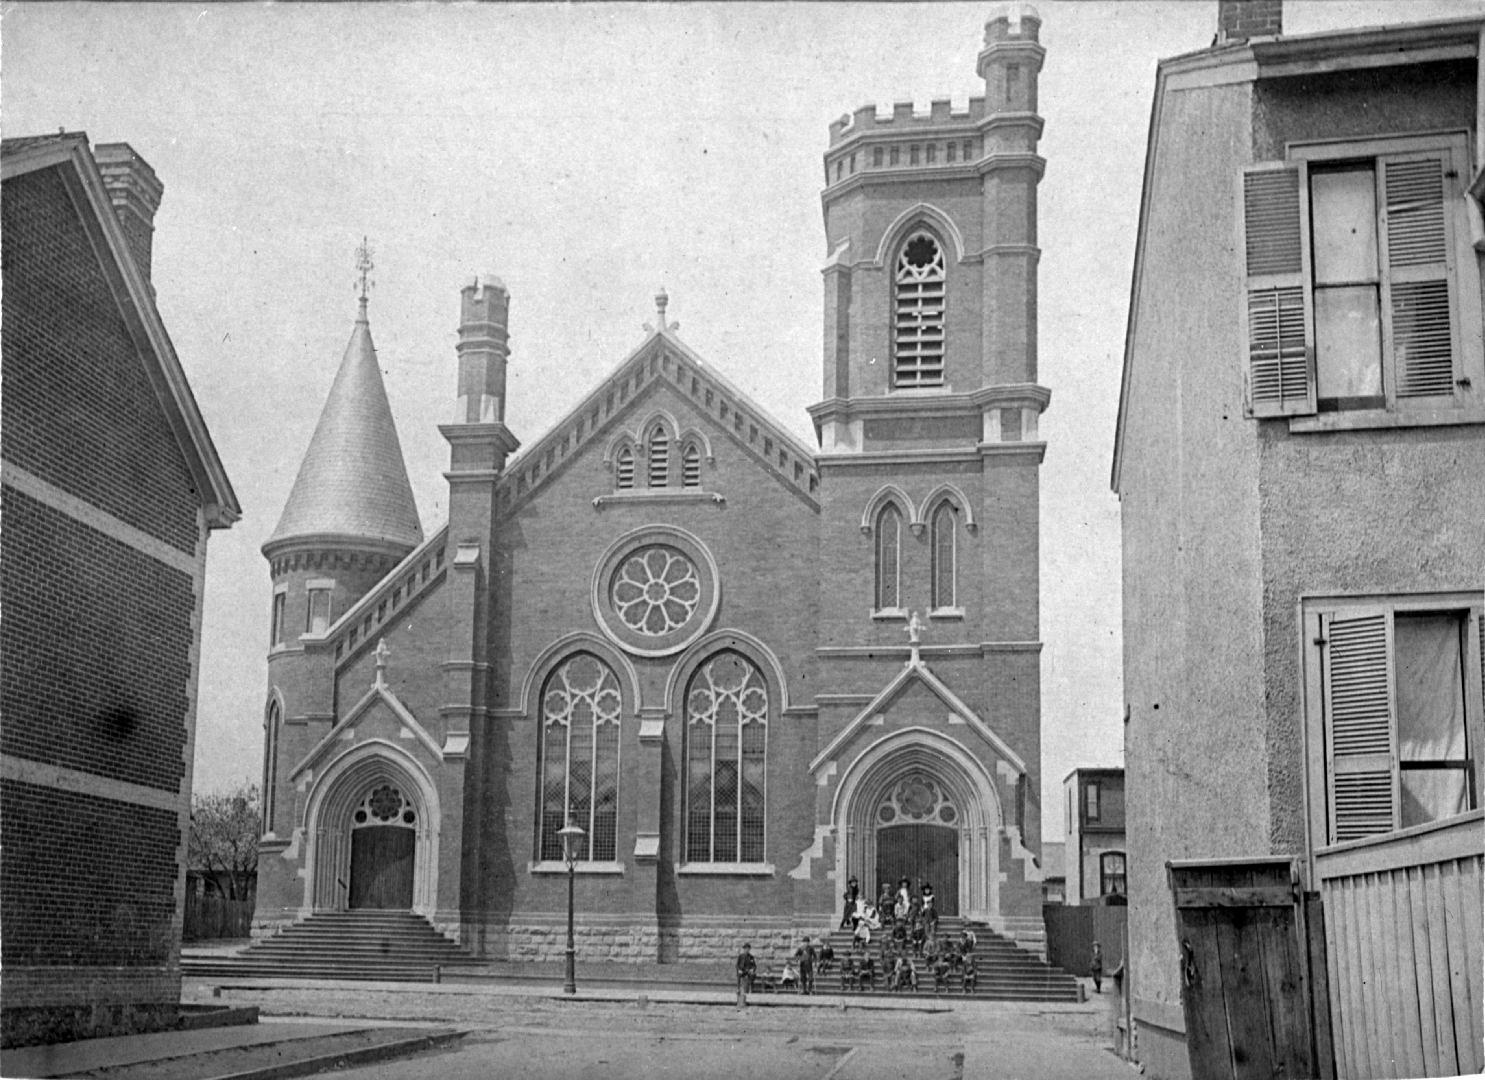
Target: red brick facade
780 541
110 484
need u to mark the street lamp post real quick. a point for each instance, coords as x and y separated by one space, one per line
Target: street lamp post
572 839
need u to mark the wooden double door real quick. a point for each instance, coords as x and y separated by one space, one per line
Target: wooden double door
382 867
920 853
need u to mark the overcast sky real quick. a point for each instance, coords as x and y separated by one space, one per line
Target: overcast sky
586 155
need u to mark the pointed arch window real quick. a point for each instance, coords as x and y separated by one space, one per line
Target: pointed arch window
579 769
944 535
691 466
624 469
726 756
271 724
658 448
918 331
889 558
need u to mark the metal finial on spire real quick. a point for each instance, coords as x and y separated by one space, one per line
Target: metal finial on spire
364 266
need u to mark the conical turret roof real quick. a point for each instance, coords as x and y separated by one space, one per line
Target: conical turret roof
353 483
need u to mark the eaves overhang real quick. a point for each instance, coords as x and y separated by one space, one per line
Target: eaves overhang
135 300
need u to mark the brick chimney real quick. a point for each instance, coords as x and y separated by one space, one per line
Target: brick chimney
1239 20
135 192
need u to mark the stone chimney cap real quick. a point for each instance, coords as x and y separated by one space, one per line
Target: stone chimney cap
129 178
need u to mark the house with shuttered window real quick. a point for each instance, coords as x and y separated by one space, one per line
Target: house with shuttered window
1299 459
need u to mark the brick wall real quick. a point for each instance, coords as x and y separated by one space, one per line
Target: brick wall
78 408
85 879
96 639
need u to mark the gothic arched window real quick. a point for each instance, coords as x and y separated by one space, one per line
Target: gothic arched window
726 753
579 770
918 337
271 724
624 469
945 554
889 558
658 448
690 466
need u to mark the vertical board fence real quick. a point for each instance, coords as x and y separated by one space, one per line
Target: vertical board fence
210 916
1072 930
1403 918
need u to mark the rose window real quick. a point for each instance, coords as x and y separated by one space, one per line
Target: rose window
916 798
656 590
385 806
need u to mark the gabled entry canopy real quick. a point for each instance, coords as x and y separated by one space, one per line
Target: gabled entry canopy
916 671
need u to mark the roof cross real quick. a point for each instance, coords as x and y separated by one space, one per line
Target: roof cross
364 266
915 627
382 652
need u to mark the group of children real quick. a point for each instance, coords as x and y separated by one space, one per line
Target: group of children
900 964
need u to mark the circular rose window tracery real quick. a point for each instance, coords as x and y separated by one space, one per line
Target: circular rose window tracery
916 797
655 590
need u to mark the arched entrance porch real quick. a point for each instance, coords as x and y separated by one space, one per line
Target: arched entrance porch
372 820
918 804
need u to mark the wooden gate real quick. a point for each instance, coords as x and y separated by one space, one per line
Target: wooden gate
922 853
382 867
1245 978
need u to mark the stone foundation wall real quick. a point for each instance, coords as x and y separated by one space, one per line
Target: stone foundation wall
710 942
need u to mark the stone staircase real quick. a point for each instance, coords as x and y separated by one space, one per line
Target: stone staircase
1005 971
375 945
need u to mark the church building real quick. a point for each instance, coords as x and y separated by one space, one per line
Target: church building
749 669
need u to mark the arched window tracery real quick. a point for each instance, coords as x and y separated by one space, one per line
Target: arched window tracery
727 711
579 769
919 298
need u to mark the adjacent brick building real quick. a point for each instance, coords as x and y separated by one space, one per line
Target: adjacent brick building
749 668
110 487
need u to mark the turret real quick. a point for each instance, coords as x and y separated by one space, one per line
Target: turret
930 276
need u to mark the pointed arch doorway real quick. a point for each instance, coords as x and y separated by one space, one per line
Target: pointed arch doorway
384 843
372 822
917 804
917 837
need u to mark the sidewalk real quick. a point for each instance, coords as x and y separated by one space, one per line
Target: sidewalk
278 1048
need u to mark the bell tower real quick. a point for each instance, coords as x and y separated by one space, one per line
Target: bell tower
929 464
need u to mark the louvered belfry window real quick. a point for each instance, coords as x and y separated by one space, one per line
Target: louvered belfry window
624 469
690 466
918 341
1401 725
1349 301
659 453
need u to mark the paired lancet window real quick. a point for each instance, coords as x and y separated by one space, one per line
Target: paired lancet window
580 710
943 526
727 708
918 316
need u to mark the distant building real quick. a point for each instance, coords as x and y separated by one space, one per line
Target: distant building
1054 880
1299 459
1093 853
110 488
747 667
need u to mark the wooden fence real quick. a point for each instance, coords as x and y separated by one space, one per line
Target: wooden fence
1403 925
211 916
1072 930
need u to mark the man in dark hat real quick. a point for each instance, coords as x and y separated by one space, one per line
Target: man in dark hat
747 967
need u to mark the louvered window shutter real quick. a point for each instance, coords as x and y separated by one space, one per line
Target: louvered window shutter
1418 304
1281 379
1359 732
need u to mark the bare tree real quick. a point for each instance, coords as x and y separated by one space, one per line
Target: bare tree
224 838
